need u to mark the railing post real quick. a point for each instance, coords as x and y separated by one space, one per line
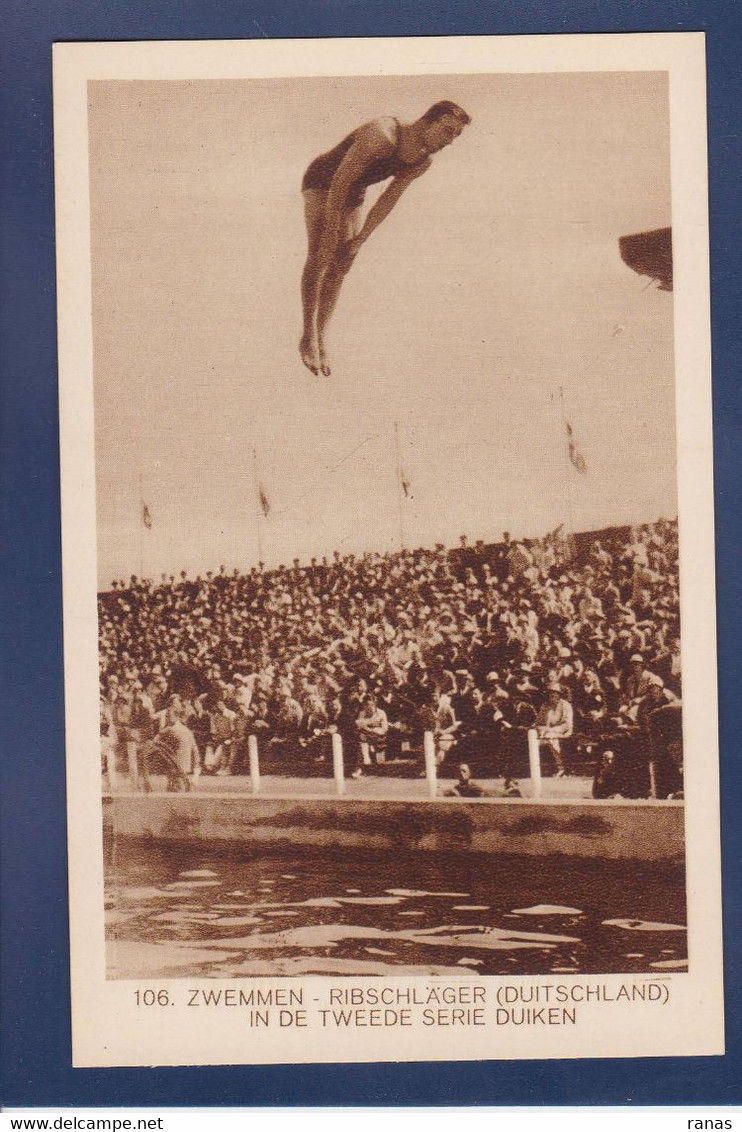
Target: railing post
337 762
109 757
431 772
132 758
534 762
252 751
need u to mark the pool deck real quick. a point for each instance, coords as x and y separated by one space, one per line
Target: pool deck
397 814
377 786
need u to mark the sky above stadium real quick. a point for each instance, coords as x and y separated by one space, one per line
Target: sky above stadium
495 282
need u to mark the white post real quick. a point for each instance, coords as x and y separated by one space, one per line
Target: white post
109 756
252 751
534 762
337 762
430 767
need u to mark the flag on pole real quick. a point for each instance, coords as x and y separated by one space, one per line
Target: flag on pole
576 459
263 500
146 516
404 479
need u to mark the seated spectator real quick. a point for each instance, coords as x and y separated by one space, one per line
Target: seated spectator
591 703
372 727
285 718
636 686
554 723
656 696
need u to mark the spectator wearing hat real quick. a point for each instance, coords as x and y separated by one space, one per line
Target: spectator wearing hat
656 696
555 722
636 685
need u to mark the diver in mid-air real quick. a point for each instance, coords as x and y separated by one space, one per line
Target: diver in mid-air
334 188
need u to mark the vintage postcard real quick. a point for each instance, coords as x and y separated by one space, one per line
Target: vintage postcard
388 550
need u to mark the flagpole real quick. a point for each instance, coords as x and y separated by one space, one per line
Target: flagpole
140 523
400 486
565 452
258 507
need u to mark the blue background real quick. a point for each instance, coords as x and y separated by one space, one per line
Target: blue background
36 1057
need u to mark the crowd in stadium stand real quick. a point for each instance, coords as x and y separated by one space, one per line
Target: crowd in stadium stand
578 638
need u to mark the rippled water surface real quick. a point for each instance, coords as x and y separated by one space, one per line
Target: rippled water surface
171 912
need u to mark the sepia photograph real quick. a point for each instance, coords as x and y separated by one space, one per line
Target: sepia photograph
383 442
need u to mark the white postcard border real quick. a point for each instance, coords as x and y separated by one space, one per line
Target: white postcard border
107 1029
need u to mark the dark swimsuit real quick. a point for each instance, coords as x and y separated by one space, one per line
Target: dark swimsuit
320 173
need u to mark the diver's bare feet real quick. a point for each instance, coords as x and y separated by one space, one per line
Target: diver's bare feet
324 361
308 352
